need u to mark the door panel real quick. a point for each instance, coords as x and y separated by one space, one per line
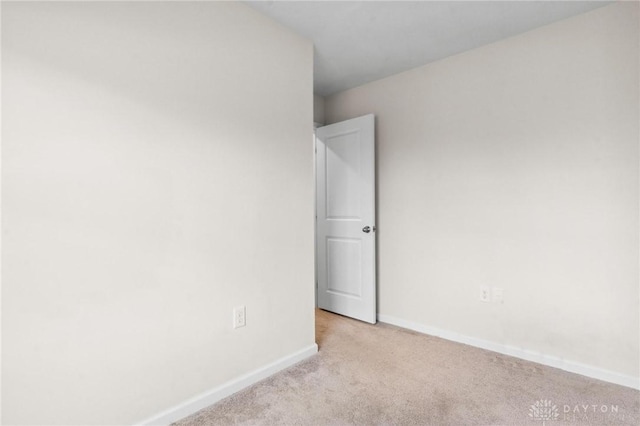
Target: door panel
342 176
345 205
341 278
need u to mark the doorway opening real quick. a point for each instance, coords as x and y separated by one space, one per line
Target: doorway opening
345 230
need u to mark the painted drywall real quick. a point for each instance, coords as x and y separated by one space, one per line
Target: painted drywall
318 109
150 184
515 166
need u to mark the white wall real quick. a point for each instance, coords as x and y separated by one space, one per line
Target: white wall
515 165
318 109
150 184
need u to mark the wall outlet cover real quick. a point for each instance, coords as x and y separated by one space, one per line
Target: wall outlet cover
239 316
485 293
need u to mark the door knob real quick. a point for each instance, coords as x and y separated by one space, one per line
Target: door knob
366 229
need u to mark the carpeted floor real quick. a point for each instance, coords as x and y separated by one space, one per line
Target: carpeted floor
383 375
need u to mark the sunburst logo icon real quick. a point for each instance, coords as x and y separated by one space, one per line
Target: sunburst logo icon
543 410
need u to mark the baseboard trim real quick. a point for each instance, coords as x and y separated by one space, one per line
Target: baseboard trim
528 355
212 396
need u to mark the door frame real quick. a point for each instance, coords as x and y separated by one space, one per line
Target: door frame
315 216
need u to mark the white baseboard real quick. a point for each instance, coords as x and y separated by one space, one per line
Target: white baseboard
540 358
205 399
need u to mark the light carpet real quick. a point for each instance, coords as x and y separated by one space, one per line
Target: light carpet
384 375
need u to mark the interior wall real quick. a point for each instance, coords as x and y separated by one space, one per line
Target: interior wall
150 184
318 109
515 166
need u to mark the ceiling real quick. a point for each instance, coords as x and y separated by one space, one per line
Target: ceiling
361 41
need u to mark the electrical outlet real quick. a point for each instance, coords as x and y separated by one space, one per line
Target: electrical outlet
498 295
485 293
239 317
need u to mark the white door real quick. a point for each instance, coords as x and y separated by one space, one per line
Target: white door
345 223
